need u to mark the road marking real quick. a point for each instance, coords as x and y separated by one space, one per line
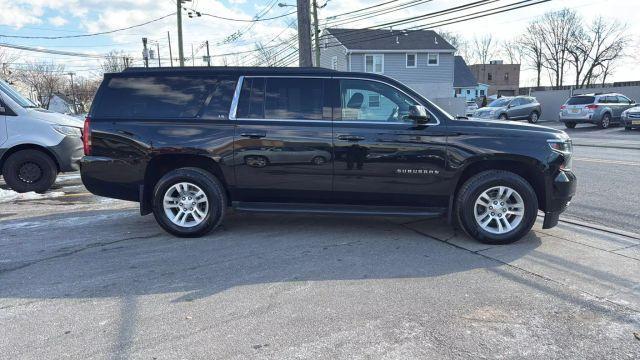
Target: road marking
605 161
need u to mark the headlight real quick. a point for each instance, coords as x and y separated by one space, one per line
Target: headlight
67 130
564 147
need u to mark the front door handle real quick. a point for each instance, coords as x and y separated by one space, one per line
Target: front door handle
350 137
254 135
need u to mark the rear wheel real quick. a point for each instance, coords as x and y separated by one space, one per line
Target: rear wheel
503 117
570 125
628 128
189 202
30 170
605 122
496 207
533 118
318 160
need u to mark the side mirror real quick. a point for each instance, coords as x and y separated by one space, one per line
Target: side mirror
419 114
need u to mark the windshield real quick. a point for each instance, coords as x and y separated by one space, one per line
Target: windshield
502 102
16 96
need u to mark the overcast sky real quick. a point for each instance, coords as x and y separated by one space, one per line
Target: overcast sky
72 17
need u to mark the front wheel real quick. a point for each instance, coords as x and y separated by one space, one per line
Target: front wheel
496 207
189 202
502 117
627 128
29 170
533 118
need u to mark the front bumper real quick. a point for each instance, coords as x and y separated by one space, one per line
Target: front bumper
68 153
562 189
630 122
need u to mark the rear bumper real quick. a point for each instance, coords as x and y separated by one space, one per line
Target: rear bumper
585 120
563 188
112 178
68 153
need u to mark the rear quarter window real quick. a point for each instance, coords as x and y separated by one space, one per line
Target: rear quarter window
158 97
581 100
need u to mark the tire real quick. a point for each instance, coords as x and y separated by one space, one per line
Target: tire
605 122
503 117
202 180
627 128
570 125
30 170
534 117
318 160
470 193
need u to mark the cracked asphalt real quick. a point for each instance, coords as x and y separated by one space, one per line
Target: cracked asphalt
83 277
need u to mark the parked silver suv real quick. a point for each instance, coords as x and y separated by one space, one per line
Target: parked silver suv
511 108
599 109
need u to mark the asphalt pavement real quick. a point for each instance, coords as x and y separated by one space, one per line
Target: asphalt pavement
87 277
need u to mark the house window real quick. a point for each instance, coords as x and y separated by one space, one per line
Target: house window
458 91
433 59
374 63
506 76
374 100
468 92
412 60
334 63
481 92
489 76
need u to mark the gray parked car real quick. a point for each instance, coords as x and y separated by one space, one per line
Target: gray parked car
599 109
631 118
511 108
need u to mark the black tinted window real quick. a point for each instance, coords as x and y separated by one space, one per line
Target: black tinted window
220 99
251 103
154 96
291 98
581 100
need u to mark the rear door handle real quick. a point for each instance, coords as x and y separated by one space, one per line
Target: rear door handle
350 137
254 135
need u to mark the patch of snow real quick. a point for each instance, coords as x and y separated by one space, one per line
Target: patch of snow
10 195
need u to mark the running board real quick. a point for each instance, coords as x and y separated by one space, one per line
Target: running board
339 209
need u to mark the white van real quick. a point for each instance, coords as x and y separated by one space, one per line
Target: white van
35 144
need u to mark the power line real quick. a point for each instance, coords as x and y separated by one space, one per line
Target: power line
88 35
244 20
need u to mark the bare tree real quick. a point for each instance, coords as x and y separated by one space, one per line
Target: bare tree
483 48
44 79
265 56
84 90
558 28
460 43
6 58
605 44
512 50
116 61
532 46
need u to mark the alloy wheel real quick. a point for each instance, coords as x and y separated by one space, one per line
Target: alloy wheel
499 210
185 204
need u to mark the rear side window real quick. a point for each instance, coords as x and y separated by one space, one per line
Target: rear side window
158 97
293 99
281 98
581 100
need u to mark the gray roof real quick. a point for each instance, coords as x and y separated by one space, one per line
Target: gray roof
462 75
378 39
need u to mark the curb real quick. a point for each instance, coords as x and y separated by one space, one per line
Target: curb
597 227
628 147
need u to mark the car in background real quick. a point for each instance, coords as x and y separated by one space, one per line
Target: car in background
599 109
471 108
631 118
35 144
512 108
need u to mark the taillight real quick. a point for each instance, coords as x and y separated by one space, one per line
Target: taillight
563 107
86 136
592 106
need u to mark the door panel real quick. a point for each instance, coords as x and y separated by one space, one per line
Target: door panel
283 143
382 158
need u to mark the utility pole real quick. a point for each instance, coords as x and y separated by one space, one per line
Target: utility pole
145 52
316 32
158 53
193 56
208 57
170 53
180 50
73 94
304 34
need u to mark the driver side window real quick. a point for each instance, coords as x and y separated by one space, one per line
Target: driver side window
364 100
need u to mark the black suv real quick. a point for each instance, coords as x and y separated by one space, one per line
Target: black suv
187 143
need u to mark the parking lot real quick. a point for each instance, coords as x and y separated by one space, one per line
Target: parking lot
87 277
